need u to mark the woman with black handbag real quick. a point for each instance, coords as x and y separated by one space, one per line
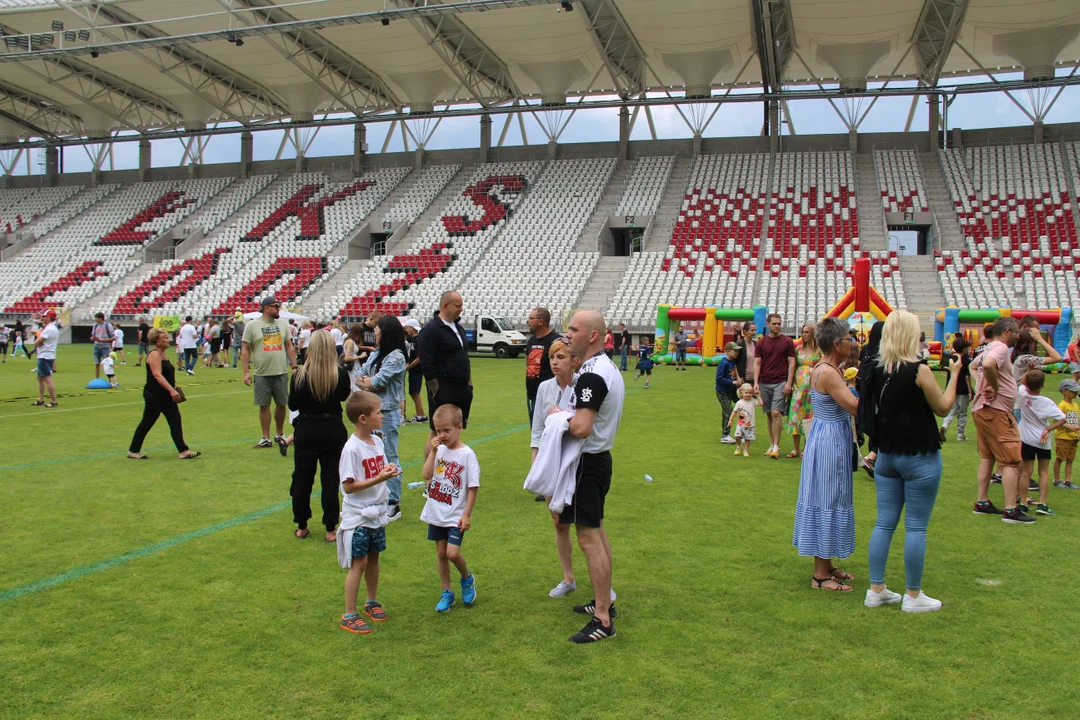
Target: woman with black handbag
161 397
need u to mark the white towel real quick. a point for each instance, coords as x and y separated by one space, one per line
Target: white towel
554 473
352 520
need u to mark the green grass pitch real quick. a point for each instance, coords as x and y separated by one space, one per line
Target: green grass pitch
169 589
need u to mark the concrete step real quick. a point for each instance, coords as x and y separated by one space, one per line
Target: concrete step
604 282
455 187
659 234
313 303
921 285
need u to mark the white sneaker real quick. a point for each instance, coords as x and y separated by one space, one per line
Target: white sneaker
885 597
562 589
727 440
613 595
923 603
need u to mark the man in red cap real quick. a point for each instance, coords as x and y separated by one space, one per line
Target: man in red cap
46 359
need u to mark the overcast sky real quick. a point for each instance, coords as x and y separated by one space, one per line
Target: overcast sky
809 117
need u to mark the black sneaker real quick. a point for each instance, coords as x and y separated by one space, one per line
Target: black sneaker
1033 486
590 607
540 498
1021 507
395 512
941 433
995 478
593 631
283 446
1016 517
986 508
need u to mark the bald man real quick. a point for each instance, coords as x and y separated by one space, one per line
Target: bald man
444 361
598 403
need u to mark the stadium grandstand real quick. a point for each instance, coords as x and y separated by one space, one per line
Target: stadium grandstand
620 225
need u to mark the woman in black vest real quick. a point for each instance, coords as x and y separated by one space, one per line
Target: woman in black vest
161 397
904 397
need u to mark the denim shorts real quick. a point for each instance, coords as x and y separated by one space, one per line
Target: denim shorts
45 367
100 353
368 540
450 534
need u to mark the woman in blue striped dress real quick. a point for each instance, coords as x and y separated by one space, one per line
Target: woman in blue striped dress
824 515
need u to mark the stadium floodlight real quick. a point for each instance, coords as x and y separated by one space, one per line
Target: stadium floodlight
58 25
84 35
70 35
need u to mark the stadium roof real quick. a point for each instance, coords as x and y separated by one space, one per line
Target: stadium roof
88 68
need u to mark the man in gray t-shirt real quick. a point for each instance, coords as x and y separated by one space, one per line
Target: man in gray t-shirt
680 350
237 336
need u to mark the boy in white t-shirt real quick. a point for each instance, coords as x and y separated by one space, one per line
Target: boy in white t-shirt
453 475
1035 411
107 364
744 419
118 344
361 536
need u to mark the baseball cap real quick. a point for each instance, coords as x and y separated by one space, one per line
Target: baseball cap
268 300
411 323
731 346
850 374
51 314
1070 385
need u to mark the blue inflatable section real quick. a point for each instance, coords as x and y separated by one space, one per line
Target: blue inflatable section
98 384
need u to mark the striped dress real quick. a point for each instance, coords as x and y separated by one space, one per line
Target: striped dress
824 514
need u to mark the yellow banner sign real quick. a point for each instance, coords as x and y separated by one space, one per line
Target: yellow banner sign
169 323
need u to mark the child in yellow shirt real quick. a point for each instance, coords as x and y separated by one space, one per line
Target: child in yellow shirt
1068 434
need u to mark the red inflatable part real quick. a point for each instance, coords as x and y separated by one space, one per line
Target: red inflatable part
684 313
862 285
1045 317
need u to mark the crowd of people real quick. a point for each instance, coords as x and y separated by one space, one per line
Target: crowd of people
831 394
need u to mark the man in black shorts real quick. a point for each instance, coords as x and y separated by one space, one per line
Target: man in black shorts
598 403
444 361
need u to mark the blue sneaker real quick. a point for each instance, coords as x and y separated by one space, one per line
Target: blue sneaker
468 589
446 601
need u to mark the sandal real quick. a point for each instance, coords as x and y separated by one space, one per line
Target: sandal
190 455
355 624
38 403
137 456
840 576
792 455
51 405
374 610
820 584
301 533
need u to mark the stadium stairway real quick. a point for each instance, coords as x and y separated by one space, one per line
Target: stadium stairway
590 236
868 200
454 188
659 233
601 287
941 203
921 285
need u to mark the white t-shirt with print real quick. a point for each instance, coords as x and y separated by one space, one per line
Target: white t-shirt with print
118 338
107 365
305 337
360 461
745 414
1035 411
447 492
47 349
338 337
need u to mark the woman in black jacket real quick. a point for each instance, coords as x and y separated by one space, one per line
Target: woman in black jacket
864 419
316 391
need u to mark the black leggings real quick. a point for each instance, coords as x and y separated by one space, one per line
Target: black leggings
316 443
155 407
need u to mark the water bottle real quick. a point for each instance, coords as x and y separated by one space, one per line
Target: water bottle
648 478
415 485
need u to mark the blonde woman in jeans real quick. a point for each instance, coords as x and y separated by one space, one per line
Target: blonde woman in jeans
908 467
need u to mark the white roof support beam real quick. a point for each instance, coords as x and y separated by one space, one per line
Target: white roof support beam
355 87
129 106
238 98
43 116
473 63
935 34
617 45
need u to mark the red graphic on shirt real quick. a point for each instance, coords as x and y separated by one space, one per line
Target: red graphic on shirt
533 362
449 488
373 465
